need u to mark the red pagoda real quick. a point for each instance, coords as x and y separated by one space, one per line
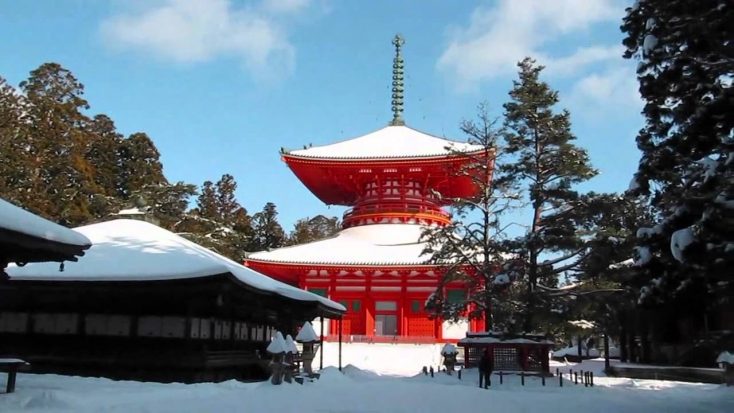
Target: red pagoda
375 266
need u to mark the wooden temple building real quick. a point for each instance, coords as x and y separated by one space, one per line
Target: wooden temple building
397 181
147 304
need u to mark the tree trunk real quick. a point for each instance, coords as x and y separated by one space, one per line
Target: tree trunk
623 354
488 322
578 346
606 352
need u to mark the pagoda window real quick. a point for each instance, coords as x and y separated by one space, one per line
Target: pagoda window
319 291
386 306
455 296
356 305
415 306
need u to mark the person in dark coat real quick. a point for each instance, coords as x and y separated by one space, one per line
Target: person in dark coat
485 369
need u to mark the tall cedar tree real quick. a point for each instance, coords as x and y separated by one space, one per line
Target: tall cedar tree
313 229
267 232
685 50
218 222
470 248
56 142
102 151
15 170
548 164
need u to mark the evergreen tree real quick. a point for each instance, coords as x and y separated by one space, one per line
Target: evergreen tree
219 222
207 202
267 232
140 166
57 144
15 170
471 248
313 229
686 64
547 164
103 154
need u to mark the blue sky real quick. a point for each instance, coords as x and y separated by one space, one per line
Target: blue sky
222 85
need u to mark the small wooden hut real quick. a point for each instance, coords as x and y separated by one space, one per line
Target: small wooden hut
509 352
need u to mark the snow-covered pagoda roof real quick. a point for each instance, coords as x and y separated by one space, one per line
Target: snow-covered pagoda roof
32 238
131 250
379 244
388 143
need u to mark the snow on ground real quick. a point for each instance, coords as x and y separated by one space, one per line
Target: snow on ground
391 386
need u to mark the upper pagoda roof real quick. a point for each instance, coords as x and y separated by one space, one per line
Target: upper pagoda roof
390 142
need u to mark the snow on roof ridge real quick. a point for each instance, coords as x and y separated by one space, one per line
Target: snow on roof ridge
350 148
17 219
142 251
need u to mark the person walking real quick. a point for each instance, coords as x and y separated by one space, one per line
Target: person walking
485 369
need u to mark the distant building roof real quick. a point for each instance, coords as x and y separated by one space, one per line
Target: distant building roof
388 142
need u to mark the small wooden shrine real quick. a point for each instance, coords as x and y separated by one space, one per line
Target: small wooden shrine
518 352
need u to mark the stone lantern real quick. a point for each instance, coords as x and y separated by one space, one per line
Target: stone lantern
449 353
307 336
277 348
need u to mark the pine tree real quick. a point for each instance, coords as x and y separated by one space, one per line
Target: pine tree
548 164
267 232
686 64
471 247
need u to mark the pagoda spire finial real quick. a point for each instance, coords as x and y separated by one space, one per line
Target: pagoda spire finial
397 83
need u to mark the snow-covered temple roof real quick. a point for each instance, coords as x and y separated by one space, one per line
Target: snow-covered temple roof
388 142
131 250
379 244
19 220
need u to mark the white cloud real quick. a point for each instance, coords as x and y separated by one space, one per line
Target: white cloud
498 37
603 94
285 6
193 31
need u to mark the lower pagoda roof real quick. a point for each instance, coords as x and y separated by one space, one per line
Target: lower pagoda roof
366 245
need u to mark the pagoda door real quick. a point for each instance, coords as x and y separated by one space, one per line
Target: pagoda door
386 319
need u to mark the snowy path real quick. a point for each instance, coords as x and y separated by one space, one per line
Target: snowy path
359 390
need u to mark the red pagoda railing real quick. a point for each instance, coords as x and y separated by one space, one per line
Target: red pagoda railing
395 210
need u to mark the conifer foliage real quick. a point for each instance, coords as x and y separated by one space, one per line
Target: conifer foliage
527 282
76 169
546 165
685 50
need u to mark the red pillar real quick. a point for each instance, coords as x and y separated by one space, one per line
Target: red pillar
404 306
